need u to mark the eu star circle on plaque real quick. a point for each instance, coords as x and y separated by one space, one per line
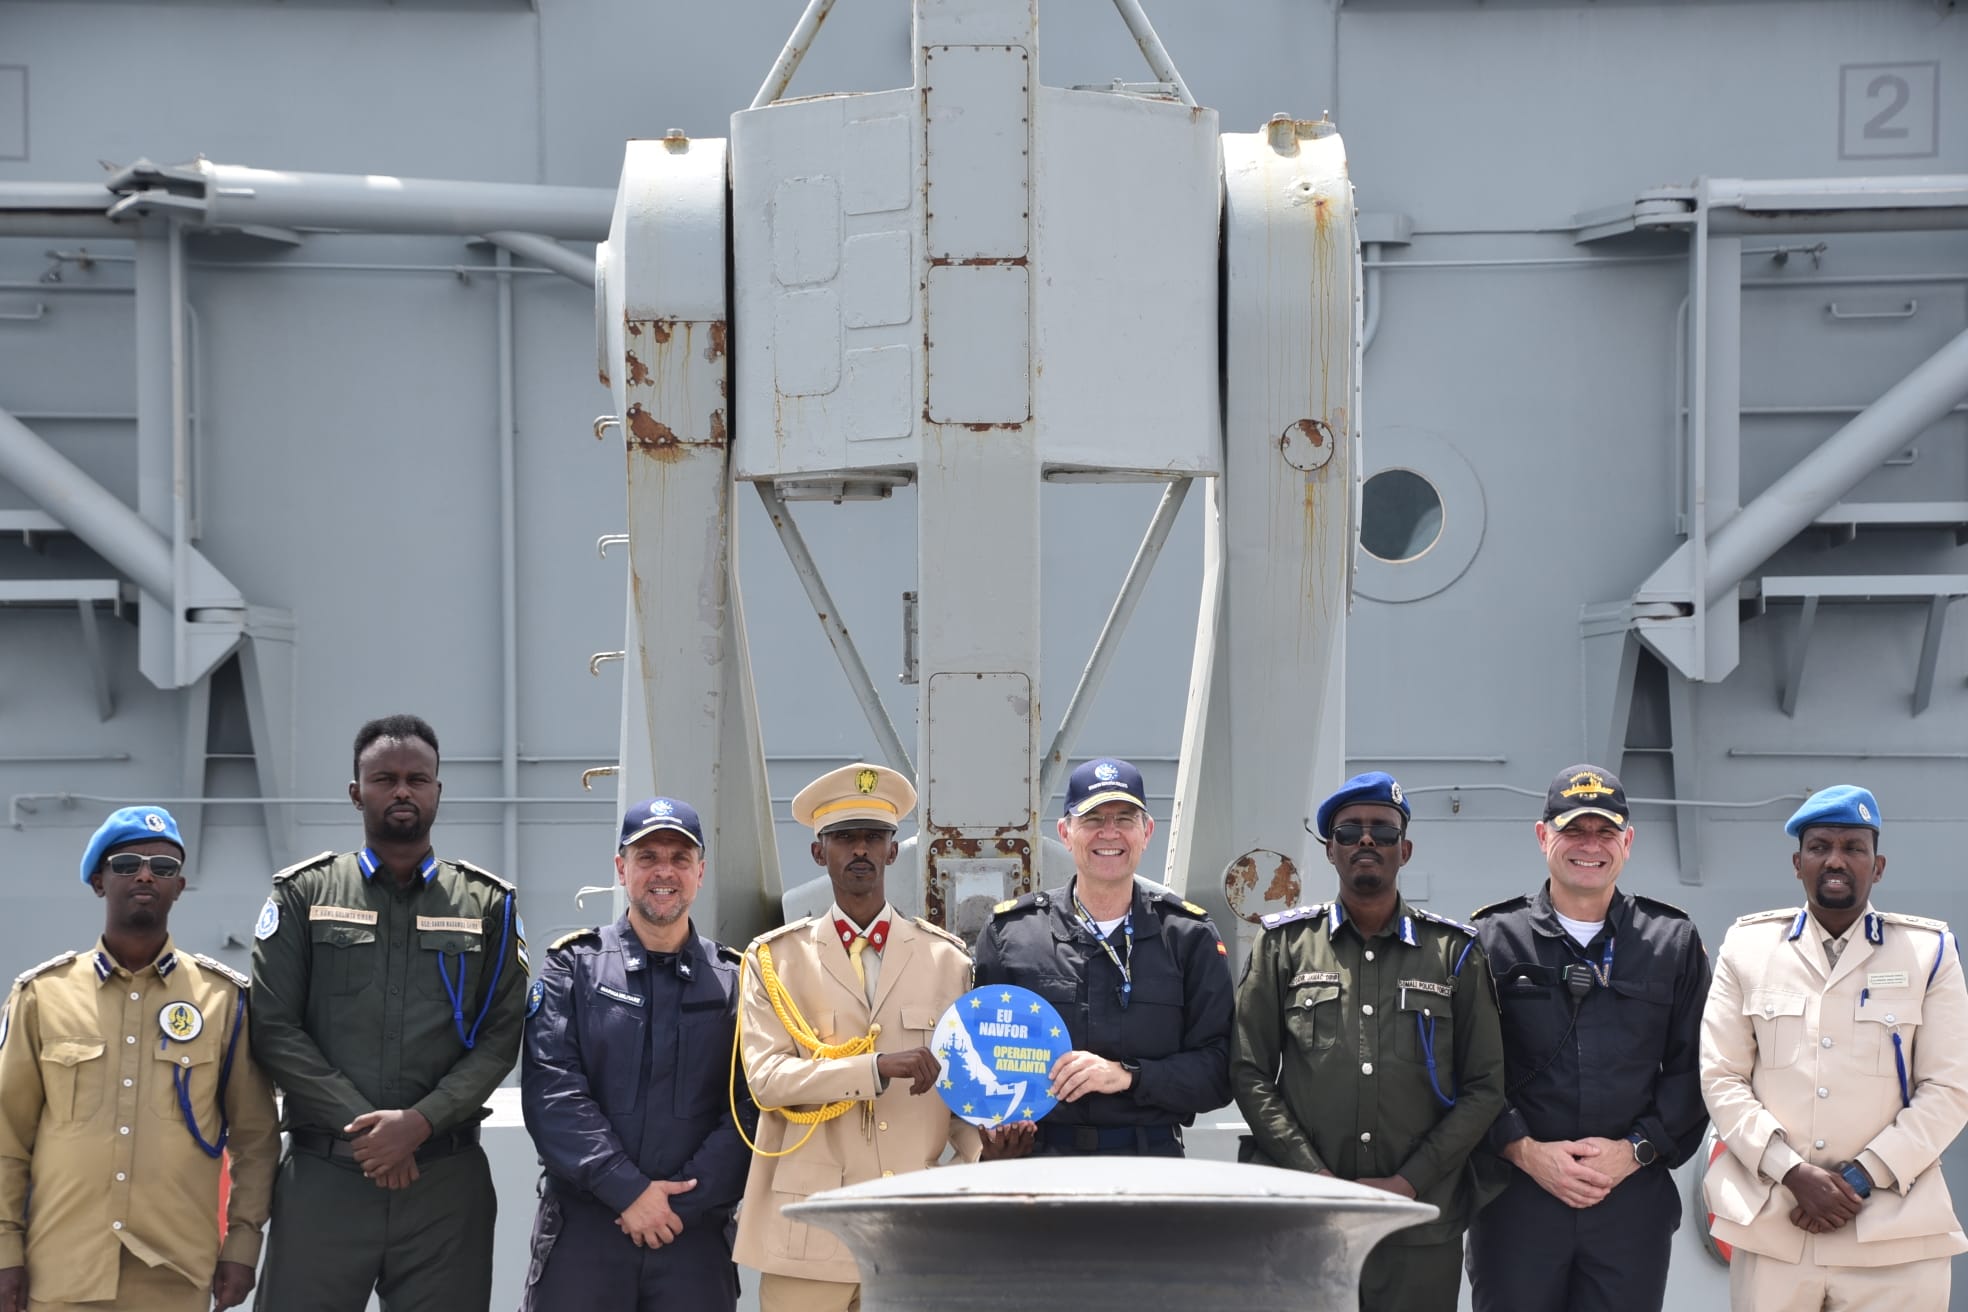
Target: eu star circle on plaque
997 1046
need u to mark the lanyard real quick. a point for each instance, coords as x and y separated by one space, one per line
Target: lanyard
1603 972
1122 960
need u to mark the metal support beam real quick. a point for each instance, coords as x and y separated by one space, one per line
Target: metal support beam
1053 764
852 665
548 254
92 652
1930 654
93 513
794 51
1807 620
1685 762
1151 45
508 569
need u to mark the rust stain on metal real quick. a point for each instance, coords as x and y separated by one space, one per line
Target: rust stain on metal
980 262
717 428
603 375
1284 886
1241 877
661 329
1308 444
638 371
651 435
714 351
635 328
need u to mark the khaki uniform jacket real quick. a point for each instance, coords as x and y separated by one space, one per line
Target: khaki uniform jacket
90 1120
923 971
1798 1062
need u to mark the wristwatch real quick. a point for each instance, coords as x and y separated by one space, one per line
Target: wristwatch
1133 1069
1644 1152
1858 1177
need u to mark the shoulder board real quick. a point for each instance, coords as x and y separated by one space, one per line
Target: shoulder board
219 967
1517 903
939 931
1918 922
318 859
729 955
1024 903
573 937
45 966
784 929
1311 911
1444 920
1181 903
1785 914
1659 907
485 874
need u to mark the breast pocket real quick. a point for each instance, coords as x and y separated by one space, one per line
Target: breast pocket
345 957
703 1059
72 1074
1426 1027
1778 1016
1312 1017
196 1064
1876 1021
451 955
1645 1006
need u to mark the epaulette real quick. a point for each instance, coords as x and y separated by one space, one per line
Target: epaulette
1664 908
939 931
243 980
1918 922
1178 901
1517 903
318 859
729 955
786 928
485 874
1310 911
1039 900
47 965
1758 917
574 936
1444 920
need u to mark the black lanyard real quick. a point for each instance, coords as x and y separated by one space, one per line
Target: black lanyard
1122 960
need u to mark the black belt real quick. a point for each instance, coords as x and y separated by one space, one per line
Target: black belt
1095 1139
319 1143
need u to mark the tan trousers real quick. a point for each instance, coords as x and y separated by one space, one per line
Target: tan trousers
792 1294
140 1287
1764 1284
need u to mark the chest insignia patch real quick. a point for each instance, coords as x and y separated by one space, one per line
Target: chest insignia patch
346 915
535 995
1315 977
1425 986
619 996
1887 979
269 922
180 1021
452 924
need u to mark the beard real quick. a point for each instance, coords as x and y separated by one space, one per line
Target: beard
403 826
1367 879
651 913
1837 899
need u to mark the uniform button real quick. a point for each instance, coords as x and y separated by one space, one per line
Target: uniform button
1366 1136
121 1176
886 1174
1369 954
129 1038
881 1125
1818 1144
184 1061
1826 1041
394 990
1890 1020
128 1083
136 997
122 1129
116 1225
1769 1009
1366 1009
1366 1068
1824 1093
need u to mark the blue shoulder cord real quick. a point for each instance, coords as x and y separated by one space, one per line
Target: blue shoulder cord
1425 1030
457 995
1899 1047
181 1080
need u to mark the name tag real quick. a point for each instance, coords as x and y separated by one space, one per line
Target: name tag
1424 986
1887 979
456 924
1316 977
347 915
619 996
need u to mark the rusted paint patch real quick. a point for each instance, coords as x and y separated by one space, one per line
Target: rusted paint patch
1307 444
714 351
1284 886
635 328
661 329
603 375
1240 884
717 428
638 371
651 435
981 262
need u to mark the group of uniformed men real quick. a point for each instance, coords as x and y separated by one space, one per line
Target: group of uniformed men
1533 1076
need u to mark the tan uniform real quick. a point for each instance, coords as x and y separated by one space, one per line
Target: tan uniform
923 970
1798 1063
91 1060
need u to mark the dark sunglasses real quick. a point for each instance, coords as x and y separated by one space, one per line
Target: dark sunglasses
127 864
1384 834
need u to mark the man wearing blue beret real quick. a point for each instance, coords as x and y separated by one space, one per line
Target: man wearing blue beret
1367 1046
125 1071
1601 992
1834 1060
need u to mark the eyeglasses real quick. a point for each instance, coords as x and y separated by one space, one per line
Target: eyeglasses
1384 834
127 864
1121 820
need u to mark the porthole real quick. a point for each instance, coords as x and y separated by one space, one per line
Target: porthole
1400 516
1421 515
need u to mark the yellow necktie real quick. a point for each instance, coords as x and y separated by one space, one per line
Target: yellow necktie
854 959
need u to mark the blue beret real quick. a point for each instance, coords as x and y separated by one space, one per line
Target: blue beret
1847 806
1373 786
132 824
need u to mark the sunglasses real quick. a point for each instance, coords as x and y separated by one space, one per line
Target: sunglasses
127 864
1384 834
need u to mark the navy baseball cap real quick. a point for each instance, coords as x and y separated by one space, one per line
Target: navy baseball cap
1843 806
1373 786
1104 779
645 818
1585 790
132 824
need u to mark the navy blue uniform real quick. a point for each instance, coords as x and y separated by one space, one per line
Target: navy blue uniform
1175 1026
1628 1064
624 1081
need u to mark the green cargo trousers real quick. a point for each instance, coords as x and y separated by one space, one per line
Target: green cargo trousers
335 1236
